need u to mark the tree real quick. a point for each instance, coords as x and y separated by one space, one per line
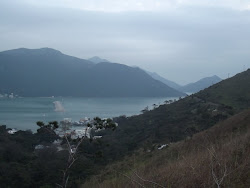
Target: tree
145 110
155 106
72 148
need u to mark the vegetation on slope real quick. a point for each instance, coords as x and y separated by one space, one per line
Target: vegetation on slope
217 157
180 120
234 92
21 165
168 123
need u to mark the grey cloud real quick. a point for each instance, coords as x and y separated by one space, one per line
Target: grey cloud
182 45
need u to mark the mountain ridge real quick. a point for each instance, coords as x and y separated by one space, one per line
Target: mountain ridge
164 80
48 72
97 59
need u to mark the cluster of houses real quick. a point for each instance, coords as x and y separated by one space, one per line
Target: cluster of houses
75 129
78 129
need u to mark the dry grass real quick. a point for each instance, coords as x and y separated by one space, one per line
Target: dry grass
218 157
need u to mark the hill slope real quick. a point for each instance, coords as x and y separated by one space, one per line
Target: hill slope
48 72
179 120
200 159
218 157
233 92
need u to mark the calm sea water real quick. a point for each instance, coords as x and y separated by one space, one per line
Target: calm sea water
23 113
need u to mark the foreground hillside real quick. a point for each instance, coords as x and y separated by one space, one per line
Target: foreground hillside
217 157
47 72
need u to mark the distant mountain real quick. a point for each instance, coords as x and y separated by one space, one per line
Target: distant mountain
48 72
97 59
200 85
164 80
189 88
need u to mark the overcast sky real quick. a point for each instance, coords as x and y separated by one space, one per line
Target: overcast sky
182 40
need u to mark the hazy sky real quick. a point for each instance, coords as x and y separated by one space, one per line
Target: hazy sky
182 40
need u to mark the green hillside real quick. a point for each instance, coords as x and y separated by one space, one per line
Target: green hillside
234 92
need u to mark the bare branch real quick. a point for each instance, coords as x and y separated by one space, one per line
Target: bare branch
147 180
132 180
58 185
214 159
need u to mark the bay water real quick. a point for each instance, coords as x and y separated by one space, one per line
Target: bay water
23 113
